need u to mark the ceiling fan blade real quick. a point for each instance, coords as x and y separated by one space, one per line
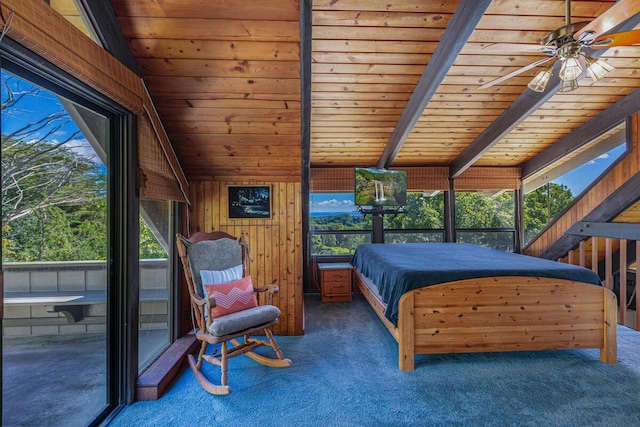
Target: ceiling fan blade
625 38
515 73
515 47
619 12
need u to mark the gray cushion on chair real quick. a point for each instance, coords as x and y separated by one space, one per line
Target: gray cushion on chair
244 319
219 254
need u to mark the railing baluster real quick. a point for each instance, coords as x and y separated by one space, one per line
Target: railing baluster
608 276
594 254
637 325
608 267
623 282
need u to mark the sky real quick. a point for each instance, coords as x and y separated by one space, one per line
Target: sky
578 179
332 202
34 107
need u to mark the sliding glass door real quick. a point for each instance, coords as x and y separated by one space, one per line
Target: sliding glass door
56 323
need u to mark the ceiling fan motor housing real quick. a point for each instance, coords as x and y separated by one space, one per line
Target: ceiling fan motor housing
563 35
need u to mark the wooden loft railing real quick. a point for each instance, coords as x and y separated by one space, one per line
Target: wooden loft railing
610 249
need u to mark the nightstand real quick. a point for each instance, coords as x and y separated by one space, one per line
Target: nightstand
335 281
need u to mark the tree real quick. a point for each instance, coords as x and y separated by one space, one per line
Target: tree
149 245
475 210
53 196
39 170
543 205
421 213
475 214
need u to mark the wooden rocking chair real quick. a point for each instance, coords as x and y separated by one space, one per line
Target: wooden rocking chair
224 258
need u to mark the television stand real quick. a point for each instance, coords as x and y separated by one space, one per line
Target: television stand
382 211
377 218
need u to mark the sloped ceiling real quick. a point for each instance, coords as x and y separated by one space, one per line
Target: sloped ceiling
392 84
225 79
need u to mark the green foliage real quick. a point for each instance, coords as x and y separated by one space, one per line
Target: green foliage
54 205
58 234
53 197
340 222
39 174
543 205
475 210
421 213
338 244
150 248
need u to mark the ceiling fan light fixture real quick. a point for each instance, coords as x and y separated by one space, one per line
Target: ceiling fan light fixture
568 85
570 69
539 82
597 68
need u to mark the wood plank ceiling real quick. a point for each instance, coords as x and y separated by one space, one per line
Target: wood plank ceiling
368 57
225 77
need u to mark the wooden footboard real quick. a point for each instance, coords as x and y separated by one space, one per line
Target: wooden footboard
501 314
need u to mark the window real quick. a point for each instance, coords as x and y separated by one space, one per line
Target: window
155 280
551 191
423 221
337 228
486 219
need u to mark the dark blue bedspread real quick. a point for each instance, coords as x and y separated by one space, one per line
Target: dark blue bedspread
397 268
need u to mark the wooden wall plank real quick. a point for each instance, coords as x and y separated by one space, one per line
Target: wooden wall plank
275 243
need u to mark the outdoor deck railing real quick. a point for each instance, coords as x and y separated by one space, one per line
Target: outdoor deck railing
48 298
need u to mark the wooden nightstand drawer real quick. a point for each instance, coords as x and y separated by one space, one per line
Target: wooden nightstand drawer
336 275
335 281
336 288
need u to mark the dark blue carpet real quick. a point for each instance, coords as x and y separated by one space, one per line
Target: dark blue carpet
345 373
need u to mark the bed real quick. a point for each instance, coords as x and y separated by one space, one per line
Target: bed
456 298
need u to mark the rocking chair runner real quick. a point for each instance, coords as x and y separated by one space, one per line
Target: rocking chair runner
224 257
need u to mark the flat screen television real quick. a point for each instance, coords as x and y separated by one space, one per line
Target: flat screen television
380 187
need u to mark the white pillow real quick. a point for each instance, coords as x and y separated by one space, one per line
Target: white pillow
212 277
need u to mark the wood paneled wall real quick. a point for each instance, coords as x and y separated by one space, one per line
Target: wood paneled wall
625 169
275 244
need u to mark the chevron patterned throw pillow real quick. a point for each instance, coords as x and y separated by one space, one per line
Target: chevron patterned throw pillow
231 296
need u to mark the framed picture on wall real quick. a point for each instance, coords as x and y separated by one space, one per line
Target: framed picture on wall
249 201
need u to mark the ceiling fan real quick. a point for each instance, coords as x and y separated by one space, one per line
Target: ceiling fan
565 45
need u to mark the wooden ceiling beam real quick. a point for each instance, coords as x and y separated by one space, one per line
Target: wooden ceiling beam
463 22
520 110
